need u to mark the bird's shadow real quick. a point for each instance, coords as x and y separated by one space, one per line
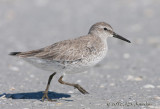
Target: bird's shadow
35 95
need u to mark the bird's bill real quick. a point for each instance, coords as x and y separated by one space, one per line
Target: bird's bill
120 37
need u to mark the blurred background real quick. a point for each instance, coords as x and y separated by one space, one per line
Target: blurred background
32 24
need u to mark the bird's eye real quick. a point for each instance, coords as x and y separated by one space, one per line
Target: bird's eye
105 29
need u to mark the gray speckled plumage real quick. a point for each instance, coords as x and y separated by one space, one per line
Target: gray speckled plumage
74 55
68 50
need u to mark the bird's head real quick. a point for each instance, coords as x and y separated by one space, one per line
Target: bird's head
104 31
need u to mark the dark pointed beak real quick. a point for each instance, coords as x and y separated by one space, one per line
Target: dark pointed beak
120 37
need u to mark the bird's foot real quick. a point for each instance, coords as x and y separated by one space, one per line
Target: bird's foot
82 90
45 96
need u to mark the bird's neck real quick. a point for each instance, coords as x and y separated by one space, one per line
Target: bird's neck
99 34
102 39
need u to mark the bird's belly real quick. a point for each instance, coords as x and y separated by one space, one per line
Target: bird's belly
56 66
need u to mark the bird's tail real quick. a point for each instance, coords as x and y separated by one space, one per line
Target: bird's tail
14 53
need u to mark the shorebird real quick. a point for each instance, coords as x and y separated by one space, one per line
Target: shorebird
72 56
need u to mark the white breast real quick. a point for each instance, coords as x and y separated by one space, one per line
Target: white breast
94 59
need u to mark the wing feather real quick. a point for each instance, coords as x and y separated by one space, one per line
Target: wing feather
67 50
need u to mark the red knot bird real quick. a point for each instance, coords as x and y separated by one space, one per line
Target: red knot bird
72 56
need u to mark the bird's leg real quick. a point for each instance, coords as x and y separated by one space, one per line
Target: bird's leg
45 95
83 91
